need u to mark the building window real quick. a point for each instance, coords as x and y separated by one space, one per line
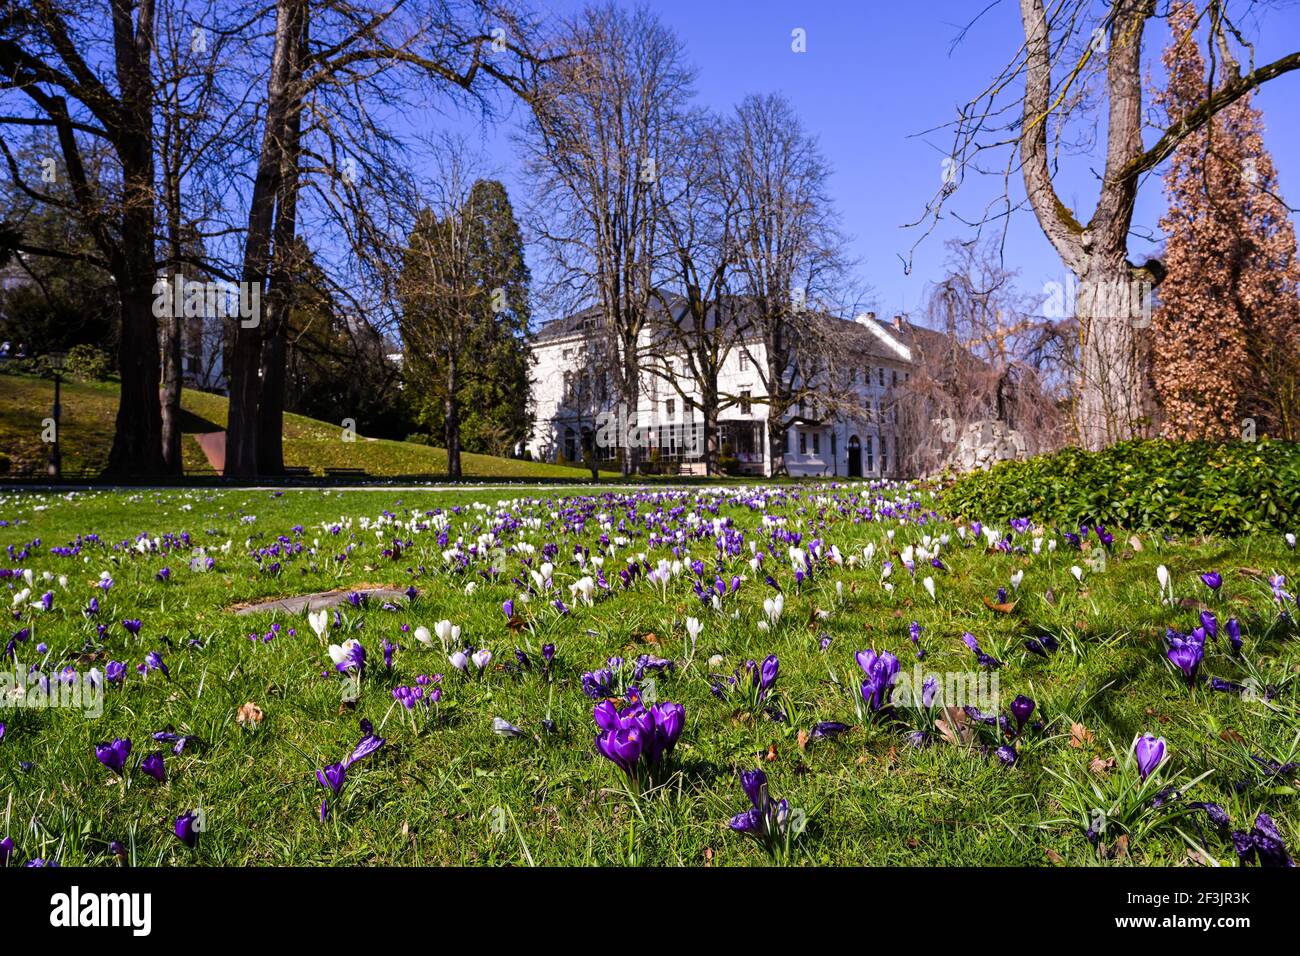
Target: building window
803 443
881 376
817 443
745 407
871 453
895 382
884 455
744 361
670 406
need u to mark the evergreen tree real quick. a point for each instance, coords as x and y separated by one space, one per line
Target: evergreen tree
465 313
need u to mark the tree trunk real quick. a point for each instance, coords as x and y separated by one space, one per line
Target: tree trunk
171 393
270 407
632 398
451 416
137 437
712 466
776 441
246 357
1110 405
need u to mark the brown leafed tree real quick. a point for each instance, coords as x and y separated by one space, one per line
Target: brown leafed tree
1226 345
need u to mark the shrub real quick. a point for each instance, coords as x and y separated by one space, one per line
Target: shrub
1202 487
88 363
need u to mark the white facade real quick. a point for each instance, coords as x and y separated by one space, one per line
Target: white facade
572 398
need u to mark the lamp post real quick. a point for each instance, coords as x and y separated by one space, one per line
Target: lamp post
56 362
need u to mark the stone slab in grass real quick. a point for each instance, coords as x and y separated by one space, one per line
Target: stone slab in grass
316 601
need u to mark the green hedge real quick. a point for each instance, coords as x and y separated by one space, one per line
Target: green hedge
1202 487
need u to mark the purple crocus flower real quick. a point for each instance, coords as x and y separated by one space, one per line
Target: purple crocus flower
548 653
113 755
1213 580
1186 654
827 730
1263 844
6 851
368 745
153 661
132 625
1022 708
1210 623
1150 753
623 747
1217 815
1233 629
186 829
508 606
333 777
881 669
153 765
1006 754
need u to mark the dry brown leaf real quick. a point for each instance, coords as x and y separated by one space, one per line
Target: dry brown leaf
1101 767
249 716
1000 608
1050 597
955 727
1081 735
803 739
1055 857
1231 736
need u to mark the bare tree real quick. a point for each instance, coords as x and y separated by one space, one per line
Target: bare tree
1068 50
604 122
327 152
787 257
44 50
993 361
704 324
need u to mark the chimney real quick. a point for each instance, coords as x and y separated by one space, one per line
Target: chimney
899 318
865 318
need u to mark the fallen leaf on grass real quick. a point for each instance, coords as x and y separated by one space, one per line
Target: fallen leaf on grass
1006 608
1101 767
1081 735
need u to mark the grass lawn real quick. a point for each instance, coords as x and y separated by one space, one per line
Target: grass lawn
90 408
445 788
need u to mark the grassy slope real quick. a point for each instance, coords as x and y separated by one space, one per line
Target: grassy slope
436 796
89 410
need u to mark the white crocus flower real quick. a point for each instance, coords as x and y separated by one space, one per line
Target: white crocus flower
423 636
319 621
1016 578
481 658
929 586
1077 572
459 661
447 632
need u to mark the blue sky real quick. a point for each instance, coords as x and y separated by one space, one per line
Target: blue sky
875 75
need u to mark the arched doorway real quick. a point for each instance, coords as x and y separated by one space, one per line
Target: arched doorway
855 457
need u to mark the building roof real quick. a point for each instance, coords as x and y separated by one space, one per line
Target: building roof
865 334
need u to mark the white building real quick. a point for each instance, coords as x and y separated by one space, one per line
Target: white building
855 434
